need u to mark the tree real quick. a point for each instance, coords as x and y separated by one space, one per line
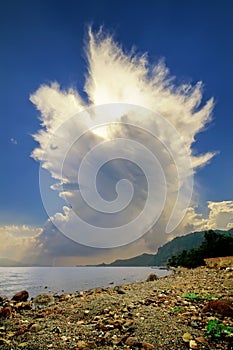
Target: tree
214 245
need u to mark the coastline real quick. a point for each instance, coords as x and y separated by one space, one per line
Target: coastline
168 313
62 280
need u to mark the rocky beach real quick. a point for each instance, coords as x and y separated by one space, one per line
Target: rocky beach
190 309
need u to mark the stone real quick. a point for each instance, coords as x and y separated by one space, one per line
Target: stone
6 312
201 340
151 277
21 296
187 337
43 300
221 307
119 290
132 341
4 341
147 346
35 327
193 344
57 330
23 305
64 297
22 345
3 299
82 345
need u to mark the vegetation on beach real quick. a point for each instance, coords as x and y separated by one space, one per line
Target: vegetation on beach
217 330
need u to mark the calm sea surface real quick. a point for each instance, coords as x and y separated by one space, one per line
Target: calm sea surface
68 279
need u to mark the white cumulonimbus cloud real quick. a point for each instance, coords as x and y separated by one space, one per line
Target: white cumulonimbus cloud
123 79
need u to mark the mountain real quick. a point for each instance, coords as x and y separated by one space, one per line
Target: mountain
174 247
140 260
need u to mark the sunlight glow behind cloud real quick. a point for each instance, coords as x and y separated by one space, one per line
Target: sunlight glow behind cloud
115 76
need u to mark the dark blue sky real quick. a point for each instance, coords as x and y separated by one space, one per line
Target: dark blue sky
42 41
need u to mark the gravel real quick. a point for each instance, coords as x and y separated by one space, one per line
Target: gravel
166 313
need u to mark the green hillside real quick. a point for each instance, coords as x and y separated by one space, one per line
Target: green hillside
174 247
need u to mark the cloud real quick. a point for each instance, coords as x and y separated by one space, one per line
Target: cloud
13 141
221 215
73 129
19 242
48 246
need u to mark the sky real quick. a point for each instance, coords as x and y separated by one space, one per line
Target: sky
55 62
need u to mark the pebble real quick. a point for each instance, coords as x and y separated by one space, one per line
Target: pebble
187 337
3 299
147 346
82 345
193 344
201 340
131 341
119 290
35 327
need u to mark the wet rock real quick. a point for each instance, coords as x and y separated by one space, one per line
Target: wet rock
6 312
43 300
21 296
151 277
221 307
119 290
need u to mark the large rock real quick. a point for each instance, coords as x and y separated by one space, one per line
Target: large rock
21 296
43 300
6 312
221 307
151 277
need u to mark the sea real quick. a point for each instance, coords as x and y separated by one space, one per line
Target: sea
60 280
